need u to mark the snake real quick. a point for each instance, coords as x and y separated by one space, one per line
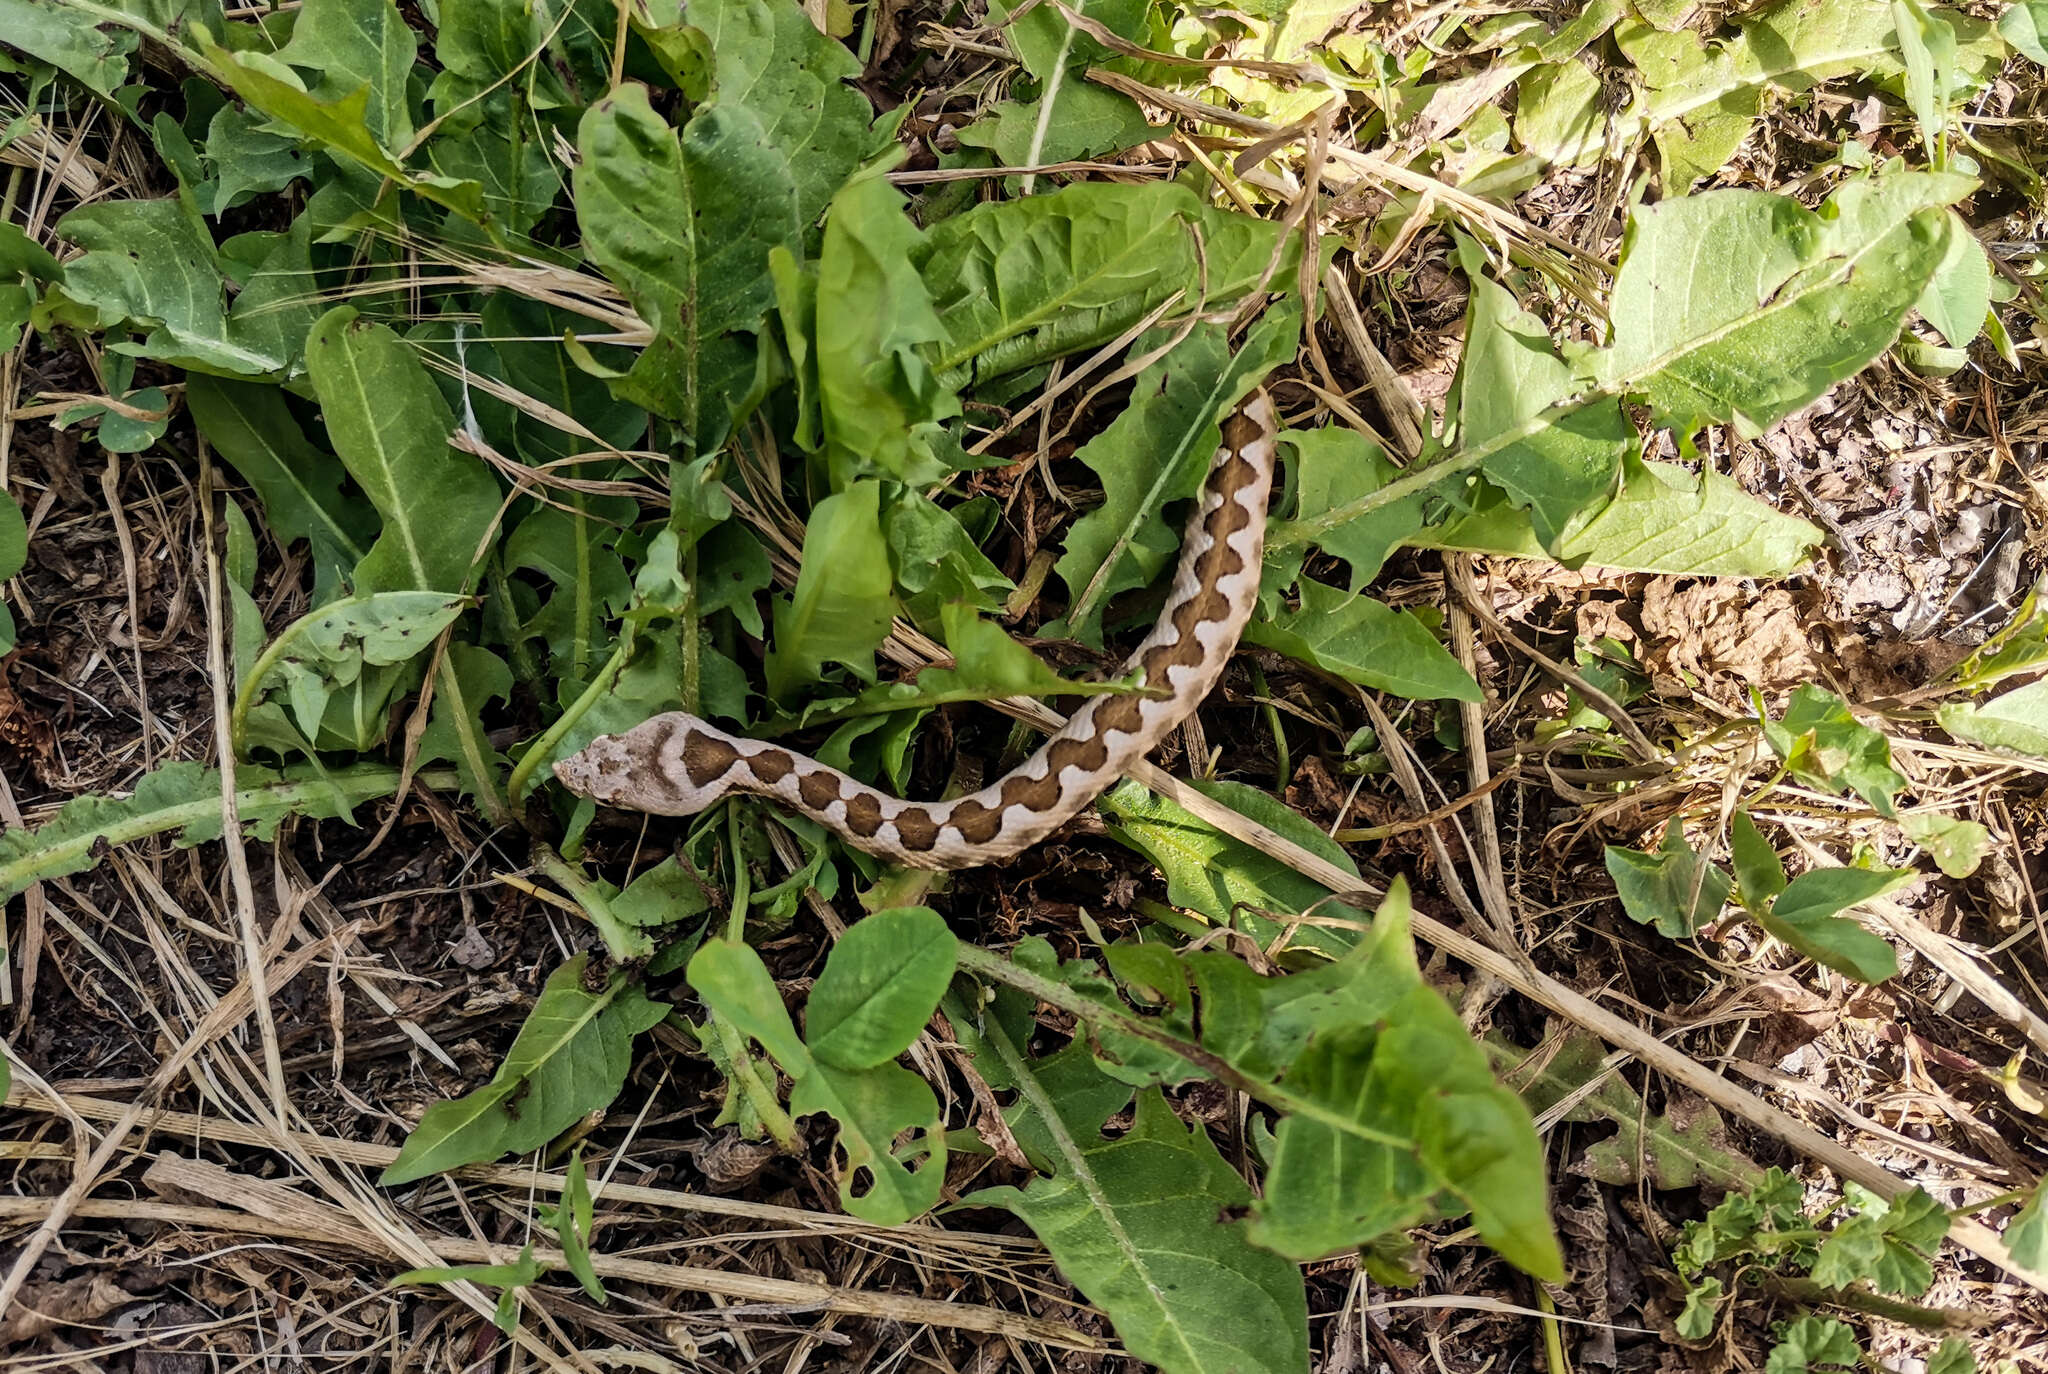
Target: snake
678 764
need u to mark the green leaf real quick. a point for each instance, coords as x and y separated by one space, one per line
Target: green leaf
1149 1227
1674 889
248 159
2026 1235
937 561
1666 520
325 658
1804 917
1891 1244
1396 1104
843 600
872 1106
664 895
1824 746
1684 1147
389 425
470 677
342 126
356 45
521 1272
1952 1356
13 538
1020 282
74 41
1156 452
300 485
1695 1321
1339 465
1559 115
880 985
1082 121
2017 720
1957 846
2025 26
1928 45
182 800
151 264
1824 294
1225 879
1367 642
1560 472
770 59
1958 295
570 1058
881 402
1758 872
1807 1342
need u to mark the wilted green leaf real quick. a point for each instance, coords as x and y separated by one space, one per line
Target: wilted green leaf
1367 642
1083 121
1674 889
570 1058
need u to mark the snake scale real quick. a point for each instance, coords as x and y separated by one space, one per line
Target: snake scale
678 764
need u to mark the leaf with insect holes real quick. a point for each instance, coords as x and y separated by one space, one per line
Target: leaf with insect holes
1021 282
328 678
569 1058
844 597
881 402
1666 520
152 265
390 427
1155 453
1361 640
872 1105
1804 917
1561 470
1673 889
1823 745
1822 294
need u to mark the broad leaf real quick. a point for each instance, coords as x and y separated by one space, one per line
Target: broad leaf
570 1058
1825 746
390 427
1337 465
1804 917
1367 642
880 985
1809 1343
1674 889
353 45
2017 720
76 42
843 600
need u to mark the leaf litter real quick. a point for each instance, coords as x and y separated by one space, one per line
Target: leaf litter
1894 536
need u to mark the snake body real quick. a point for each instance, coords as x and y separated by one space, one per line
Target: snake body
678 764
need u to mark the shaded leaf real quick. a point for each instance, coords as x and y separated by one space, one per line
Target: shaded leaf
570 1058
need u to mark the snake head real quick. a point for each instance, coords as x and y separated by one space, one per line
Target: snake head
671 765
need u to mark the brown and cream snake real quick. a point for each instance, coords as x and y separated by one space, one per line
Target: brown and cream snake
677 764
